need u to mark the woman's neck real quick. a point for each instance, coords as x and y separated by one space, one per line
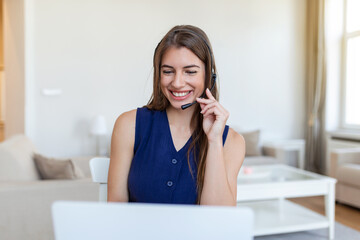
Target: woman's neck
179 118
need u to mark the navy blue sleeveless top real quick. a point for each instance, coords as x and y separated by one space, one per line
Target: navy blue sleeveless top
159 173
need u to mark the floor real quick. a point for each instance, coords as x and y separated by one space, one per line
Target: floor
344 214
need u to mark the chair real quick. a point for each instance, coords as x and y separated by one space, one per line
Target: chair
99 168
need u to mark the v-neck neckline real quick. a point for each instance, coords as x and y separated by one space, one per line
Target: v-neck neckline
171 138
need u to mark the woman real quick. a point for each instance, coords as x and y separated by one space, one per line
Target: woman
163 154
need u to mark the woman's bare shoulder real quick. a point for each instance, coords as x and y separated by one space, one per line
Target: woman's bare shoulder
126 119
125 126
235 138
234 147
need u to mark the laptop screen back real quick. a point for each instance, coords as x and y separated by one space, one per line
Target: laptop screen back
130 221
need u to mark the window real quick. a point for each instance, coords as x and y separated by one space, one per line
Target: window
351 86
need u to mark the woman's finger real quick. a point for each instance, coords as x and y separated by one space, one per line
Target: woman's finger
214 111
208 106
203 100
209 95
220 111
211 103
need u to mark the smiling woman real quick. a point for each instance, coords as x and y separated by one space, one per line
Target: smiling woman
161 153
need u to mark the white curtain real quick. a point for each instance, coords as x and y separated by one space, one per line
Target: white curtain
316 87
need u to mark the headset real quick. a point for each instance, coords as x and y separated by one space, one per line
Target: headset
213 74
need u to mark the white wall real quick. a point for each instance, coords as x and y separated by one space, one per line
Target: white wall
99 52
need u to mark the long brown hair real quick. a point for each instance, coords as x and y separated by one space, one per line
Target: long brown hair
194 39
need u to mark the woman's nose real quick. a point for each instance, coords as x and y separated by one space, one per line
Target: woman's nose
178 81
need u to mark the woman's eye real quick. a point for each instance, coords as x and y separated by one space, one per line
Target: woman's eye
191 72
167 72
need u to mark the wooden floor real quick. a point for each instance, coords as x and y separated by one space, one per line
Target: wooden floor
344 214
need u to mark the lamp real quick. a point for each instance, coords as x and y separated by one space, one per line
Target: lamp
98 128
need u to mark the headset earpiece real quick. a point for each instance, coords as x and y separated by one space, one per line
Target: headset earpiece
213 77
213 80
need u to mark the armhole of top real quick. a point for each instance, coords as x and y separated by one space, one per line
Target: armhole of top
226 131
137 129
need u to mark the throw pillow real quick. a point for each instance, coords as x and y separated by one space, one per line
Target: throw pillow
252 143
51 168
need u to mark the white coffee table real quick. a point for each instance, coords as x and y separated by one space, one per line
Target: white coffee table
265 190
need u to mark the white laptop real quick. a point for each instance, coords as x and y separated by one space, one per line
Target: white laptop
130 221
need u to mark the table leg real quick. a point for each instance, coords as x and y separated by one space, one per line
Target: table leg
330 209
281 208
301 156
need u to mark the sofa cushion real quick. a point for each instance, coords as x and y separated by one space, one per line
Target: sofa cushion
252 143
349 174
51 168
16 161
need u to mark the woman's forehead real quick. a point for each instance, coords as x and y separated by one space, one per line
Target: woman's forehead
180 56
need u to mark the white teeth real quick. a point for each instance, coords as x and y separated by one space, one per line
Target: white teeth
180 94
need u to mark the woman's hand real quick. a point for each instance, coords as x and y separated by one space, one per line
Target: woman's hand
215 117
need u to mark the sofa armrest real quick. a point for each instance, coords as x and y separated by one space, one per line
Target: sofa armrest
26 206
342 156
44 185
279 149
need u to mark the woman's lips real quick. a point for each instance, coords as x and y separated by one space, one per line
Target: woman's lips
180 95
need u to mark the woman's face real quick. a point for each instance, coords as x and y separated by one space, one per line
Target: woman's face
182 76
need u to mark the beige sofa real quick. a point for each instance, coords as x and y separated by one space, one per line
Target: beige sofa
25 199
266 155
345 167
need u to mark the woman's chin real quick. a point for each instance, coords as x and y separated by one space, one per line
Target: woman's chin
177 105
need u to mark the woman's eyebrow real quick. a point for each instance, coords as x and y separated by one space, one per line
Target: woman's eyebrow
166 66
189 66
192 65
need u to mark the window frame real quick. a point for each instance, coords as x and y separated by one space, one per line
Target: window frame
346 36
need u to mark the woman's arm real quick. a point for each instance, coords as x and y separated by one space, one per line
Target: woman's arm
222 168
222 163
122 151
